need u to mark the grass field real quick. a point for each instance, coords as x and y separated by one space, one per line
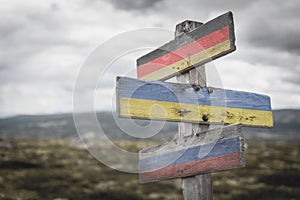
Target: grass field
53 169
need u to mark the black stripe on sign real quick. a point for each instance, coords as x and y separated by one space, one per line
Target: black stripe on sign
203 30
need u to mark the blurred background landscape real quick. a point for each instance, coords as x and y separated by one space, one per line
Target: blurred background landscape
61 126
43 158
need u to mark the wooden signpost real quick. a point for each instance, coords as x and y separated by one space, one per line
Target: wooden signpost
197 150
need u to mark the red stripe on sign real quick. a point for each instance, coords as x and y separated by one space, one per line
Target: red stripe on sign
185 51
217 163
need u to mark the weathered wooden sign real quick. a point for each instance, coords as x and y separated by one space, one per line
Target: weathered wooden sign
191 103
208 42
220 149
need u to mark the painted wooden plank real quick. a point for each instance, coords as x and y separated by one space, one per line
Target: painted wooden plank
207 42
217 150
191 103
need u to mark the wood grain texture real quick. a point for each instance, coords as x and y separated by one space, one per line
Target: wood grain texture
154 70
197 187
220 149
191 103
197 47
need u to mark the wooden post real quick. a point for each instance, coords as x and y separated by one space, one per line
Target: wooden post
197 187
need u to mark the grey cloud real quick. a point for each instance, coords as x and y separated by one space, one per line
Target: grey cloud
41 45
134 4
7 29
214 5
36 27
264 57
278 36
262 24
293 79
30 32
30 41
267 56
275 25
54 7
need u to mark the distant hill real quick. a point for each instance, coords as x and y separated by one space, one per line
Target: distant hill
62 126
286 127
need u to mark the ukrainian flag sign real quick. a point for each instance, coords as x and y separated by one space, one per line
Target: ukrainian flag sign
189 103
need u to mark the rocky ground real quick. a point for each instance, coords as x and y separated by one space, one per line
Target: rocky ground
54 169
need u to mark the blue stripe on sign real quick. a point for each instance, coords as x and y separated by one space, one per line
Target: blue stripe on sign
171 92
227 146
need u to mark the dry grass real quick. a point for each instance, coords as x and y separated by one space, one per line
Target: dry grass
50 169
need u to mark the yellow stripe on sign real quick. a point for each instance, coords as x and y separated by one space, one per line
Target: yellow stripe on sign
170 111
187 62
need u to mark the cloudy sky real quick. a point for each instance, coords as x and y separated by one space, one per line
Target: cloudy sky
45 44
